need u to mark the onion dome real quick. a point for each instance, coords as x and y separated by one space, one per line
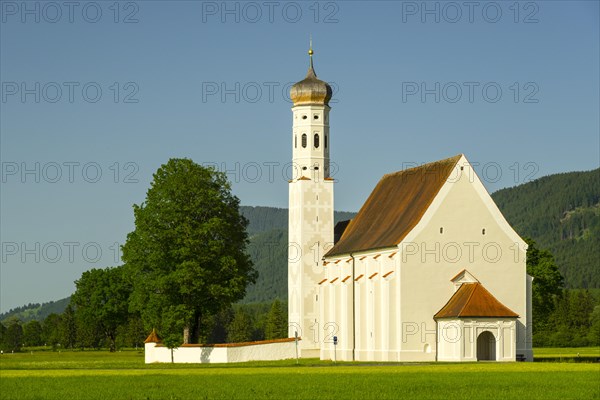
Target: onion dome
311 90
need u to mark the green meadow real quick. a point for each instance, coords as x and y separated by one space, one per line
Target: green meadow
123 375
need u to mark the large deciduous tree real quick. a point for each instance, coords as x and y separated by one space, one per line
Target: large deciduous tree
32 333
13 337
547 283
101 300
187 252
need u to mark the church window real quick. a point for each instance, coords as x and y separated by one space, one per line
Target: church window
304 168
304 140
483 231
442 230
295 141
316 140
316 168
316 116
325 141
304 117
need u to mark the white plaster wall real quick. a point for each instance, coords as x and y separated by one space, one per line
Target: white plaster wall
310 225
201 355
430 258
394 315
457 338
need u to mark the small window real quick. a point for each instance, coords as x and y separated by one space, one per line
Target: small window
316 116
304 117
304 168
483 231
441 229
295 141
462 168
316 168
325 141
316 141
304 140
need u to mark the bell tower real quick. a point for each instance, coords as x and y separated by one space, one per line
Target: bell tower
310 208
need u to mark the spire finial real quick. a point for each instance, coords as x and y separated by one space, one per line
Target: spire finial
311 69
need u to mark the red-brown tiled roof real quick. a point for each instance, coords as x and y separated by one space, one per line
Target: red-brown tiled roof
152 337
394 207
284 340
473 300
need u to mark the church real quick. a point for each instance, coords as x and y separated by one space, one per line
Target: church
428 270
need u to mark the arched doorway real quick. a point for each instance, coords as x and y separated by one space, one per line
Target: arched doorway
486 346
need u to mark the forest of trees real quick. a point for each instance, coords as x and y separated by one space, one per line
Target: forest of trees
73 330
562 213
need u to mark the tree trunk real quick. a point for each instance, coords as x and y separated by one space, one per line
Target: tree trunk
112 343
186 335
196 331
191 333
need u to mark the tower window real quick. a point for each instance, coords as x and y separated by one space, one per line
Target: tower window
483 231
325 141
441 229
316 116
304 139
316 140
304 117
295 141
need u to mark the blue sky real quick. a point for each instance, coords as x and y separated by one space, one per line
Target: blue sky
96 97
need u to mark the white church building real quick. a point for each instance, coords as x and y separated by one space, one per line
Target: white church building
428 270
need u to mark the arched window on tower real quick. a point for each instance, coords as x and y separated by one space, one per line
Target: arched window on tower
325 141
316 141
304 140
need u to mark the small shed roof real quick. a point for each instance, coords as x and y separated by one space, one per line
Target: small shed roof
152 337
473 300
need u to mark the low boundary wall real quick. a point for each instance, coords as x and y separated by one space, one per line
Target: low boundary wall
266 350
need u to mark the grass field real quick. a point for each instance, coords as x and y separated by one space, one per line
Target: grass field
553 352
101 375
